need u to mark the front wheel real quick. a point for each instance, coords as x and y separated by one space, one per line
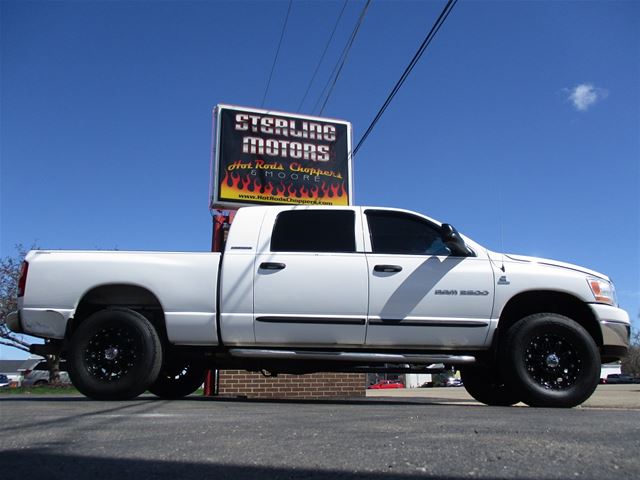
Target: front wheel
485 384
115 354
551 361
179 378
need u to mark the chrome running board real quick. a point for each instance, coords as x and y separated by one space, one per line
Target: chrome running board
352 356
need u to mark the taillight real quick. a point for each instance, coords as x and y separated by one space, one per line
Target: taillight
22 282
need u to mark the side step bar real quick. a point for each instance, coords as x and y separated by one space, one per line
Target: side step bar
351 356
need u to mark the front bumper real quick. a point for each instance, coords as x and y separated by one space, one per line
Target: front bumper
616 330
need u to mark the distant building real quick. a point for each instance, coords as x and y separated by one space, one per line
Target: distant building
415 380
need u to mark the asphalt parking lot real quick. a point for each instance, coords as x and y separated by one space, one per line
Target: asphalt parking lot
437 434
605 396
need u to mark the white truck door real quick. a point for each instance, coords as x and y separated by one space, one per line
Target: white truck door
311 279
419 294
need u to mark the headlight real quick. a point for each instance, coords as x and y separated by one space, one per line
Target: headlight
603 291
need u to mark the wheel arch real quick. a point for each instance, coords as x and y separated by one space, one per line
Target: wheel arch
548 301
119 295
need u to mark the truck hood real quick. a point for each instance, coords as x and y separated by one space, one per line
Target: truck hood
551 263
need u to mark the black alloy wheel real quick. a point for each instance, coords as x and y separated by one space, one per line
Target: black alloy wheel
178 378
485 384
111 353
550 360
115 354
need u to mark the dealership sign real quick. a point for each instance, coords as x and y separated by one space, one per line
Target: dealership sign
266 157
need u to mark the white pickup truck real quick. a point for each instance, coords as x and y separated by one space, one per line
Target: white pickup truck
308 289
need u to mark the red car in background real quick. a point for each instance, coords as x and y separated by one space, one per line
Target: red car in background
386 384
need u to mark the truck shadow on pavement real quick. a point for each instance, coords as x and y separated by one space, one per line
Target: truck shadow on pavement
242 400
31 463
334 401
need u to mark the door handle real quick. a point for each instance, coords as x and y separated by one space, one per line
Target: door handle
387 268
272 266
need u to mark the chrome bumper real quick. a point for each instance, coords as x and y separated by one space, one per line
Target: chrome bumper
615 327
13 322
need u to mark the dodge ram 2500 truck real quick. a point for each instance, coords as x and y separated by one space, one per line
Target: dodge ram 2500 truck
307 289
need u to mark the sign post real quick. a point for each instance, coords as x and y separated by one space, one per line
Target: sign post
221 224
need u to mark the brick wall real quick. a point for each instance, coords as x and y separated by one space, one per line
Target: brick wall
314 385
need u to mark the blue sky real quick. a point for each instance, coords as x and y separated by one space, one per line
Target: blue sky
520 124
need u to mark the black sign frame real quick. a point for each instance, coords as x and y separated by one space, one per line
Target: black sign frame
265 157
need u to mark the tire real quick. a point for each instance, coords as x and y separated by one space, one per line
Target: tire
40 383
484 383
551 361
178 378
115 354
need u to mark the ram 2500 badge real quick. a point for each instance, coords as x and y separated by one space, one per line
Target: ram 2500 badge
307 289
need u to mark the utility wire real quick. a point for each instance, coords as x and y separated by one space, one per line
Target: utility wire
326 47
425 43
341 60
284 27
353 37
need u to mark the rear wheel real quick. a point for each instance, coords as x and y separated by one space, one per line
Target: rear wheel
551 361
115 354
485 384
178 378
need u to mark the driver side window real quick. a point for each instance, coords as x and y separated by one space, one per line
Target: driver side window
402 233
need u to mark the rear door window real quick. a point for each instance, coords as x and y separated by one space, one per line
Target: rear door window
314 231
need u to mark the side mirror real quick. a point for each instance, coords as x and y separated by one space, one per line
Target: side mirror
454 241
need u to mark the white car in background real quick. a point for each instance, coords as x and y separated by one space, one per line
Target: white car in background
35 371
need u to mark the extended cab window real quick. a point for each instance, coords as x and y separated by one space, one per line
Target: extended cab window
401 233
314 231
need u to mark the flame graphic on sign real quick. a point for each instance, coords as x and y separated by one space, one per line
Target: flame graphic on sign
238 187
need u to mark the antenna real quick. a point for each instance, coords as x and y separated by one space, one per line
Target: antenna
501 219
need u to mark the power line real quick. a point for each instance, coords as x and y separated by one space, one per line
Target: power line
353 37
326 47
284 27
425 43
341 60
